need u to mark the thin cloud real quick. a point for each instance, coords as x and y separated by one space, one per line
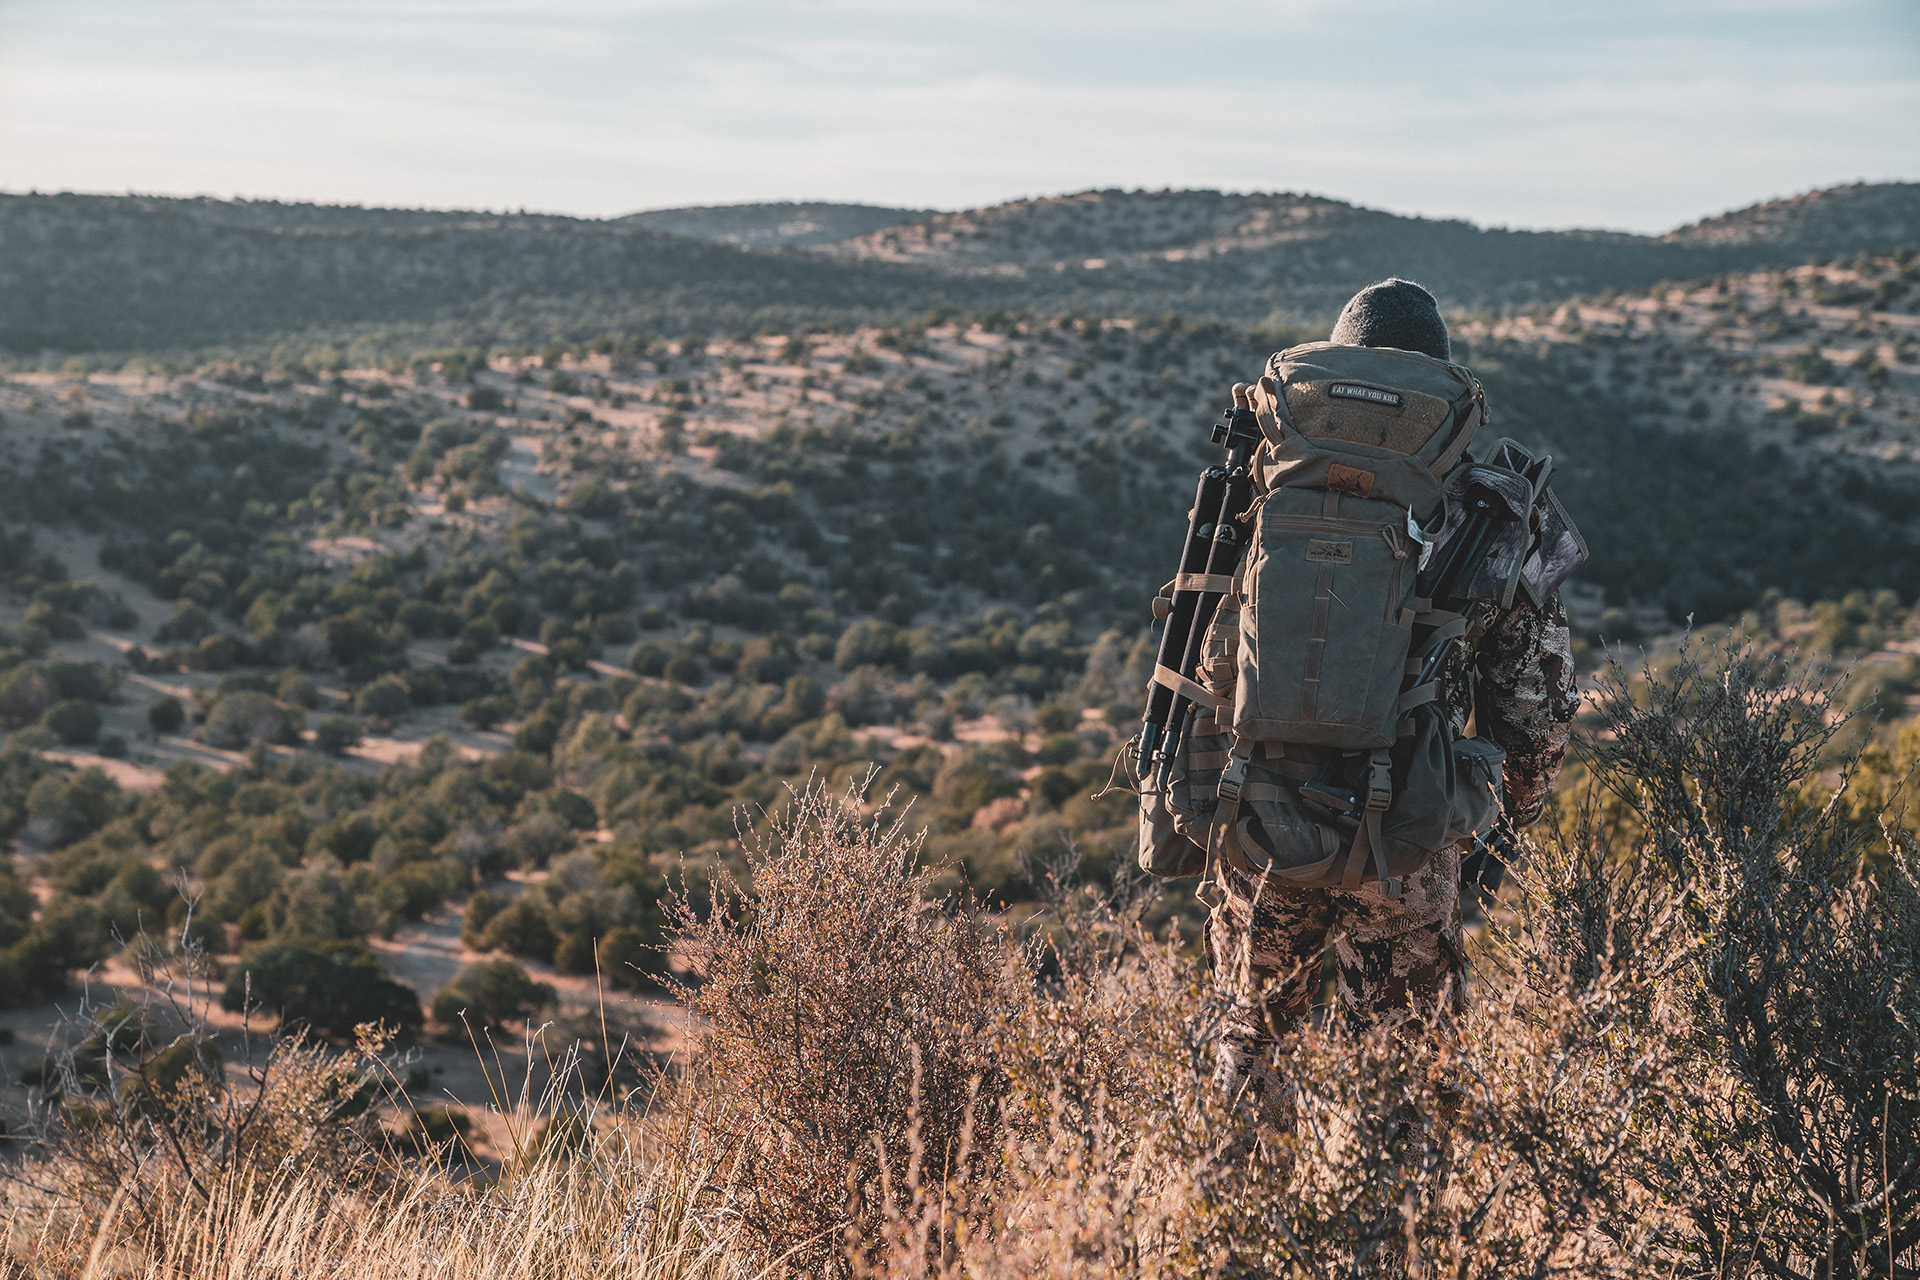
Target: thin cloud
1639 116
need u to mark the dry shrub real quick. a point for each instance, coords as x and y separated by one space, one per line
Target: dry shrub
1788 1136
1486 1146
843 1018
146 1109
1693 1052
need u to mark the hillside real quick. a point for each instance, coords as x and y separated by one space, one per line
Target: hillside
1212 238
125 275
430 684
1313 251
84 273
1835 221
1740 407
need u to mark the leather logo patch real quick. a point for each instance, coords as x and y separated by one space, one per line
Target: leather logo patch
1349 480
1320 552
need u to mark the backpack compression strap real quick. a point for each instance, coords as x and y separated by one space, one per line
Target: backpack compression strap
1233 788
1192 690
1369 837
1226 811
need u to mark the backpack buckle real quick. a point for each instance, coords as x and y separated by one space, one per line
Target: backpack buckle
1379 784
1232 778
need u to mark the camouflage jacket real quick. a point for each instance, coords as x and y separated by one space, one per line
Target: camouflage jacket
1519 689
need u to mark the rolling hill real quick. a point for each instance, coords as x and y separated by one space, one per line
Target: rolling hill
1235 249
108 274
88 273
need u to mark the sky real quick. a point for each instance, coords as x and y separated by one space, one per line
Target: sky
1523 113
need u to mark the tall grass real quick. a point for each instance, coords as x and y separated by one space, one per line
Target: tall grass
606 1210
1691 1052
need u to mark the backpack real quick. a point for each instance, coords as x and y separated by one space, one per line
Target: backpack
1321 754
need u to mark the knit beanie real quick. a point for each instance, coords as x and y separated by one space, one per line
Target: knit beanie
1394 313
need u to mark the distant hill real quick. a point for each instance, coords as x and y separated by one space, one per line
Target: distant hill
765 226
1839 220
1319 249
81 273
127 274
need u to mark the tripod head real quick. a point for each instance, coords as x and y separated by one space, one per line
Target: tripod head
1238 431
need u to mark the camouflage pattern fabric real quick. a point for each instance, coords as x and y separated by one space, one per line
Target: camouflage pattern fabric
1522 693
1395 960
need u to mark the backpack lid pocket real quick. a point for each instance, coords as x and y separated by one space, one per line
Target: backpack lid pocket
1397 419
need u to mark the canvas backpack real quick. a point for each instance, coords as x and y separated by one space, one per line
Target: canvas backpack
1322 755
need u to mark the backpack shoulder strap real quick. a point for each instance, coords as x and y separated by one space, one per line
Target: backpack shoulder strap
1464 436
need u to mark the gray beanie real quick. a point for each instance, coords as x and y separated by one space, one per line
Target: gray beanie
1394 313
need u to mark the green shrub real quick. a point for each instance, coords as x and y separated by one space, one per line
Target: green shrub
166 715
73 721
56 622
350 838
189 622
574 953
336 734
26 693
328 986
570 807
42 1071
614 628
247 718
491 991
1060 748
409 892
385 698
482 906
296 688
632 958
65 807
215 653
485 713
767 659
423 619
69 934
521 928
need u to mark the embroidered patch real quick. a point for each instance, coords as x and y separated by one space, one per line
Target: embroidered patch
1320 552
1373 395
1349 480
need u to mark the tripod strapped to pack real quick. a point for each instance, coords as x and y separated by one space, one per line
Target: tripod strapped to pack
1296 724
1217 529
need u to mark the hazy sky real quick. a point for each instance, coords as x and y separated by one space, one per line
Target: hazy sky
1518 112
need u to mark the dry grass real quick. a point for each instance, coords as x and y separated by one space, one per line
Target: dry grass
605 1210
1691 1053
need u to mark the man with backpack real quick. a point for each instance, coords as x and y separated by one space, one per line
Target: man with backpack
1386 677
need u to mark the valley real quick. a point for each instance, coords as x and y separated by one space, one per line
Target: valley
425 656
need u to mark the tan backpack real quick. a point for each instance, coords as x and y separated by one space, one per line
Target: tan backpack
1321 753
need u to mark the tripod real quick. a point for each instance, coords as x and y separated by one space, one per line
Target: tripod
1217 532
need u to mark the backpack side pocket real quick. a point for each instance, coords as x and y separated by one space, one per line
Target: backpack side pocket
1164 851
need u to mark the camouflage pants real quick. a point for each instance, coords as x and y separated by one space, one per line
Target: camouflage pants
1394 960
